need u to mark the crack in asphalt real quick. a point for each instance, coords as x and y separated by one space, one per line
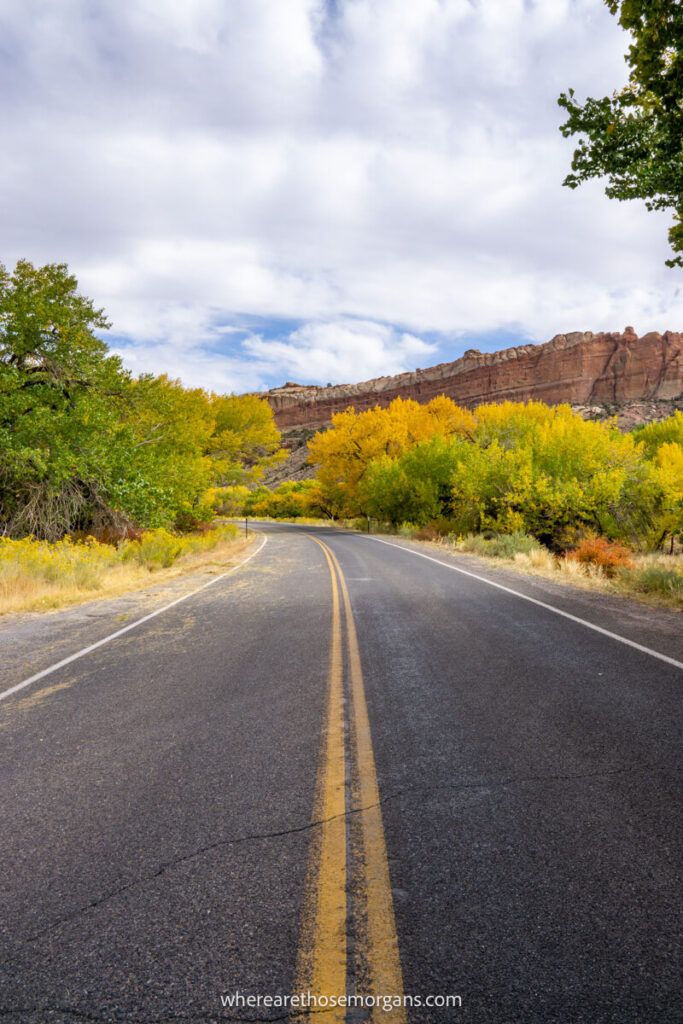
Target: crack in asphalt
517 780
181 859
398 794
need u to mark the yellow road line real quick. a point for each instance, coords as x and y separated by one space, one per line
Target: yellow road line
382 952
322 951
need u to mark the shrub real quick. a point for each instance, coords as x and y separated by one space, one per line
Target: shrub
64 562
156 549
540 559
656 579
159 549
424 533
503 545
608 555
196 518
39 574
408 530
435 529
360 524
206 539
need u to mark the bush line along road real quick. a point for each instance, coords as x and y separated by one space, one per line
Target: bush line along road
346 769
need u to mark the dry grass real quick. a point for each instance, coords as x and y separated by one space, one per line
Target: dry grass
37 576
655 579
541 561
544 563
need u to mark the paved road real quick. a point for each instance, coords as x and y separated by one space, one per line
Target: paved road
347 769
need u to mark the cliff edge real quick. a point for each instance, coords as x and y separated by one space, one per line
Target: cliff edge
589 371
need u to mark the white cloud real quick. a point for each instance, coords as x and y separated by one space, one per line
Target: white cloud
195 364
336 351
349 165
340 351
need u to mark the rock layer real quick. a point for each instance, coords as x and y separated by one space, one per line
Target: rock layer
582 368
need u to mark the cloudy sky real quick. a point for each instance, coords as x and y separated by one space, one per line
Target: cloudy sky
319 190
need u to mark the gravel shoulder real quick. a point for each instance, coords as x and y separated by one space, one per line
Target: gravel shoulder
32 641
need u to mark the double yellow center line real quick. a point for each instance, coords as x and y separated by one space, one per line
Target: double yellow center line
348 941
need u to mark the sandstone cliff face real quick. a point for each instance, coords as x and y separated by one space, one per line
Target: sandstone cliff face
583 369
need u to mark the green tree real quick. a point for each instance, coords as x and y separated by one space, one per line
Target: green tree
182 445
654 435
663 443
84 446
290 500
159 470
414 488
343 453
245 439
546 471
634 137
60 392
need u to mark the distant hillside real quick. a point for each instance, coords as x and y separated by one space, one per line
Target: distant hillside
636 379
584 369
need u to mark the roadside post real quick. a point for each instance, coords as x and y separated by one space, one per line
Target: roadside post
246 526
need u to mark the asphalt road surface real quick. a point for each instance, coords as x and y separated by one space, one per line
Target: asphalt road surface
348 770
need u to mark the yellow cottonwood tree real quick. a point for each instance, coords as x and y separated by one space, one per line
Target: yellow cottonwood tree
344 452
668 468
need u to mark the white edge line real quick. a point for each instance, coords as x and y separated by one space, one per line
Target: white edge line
534 600
126 629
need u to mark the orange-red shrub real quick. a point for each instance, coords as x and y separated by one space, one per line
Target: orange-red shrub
435 529
609 555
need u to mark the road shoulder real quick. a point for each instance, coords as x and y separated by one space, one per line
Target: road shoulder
32 641
658 628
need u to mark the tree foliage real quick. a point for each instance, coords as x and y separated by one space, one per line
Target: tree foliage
86 446
245 439
416 487
547 471
505 468
660 432
663 443
293 499
634 137
343 453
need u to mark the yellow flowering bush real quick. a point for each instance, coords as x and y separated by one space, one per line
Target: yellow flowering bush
36 573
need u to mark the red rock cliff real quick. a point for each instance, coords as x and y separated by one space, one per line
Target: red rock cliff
583 369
